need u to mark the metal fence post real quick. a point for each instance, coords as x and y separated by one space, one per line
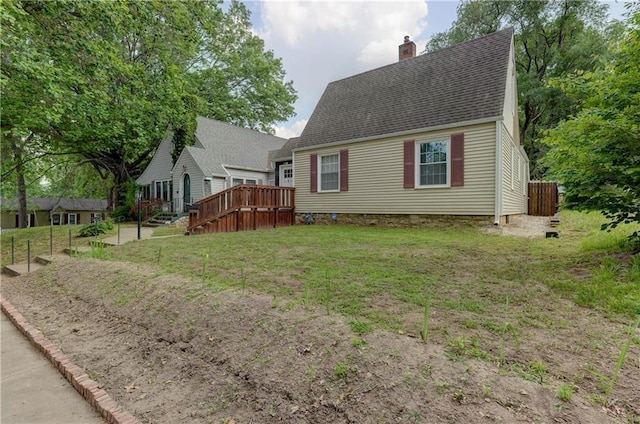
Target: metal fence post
51 240
69 241
118 232
13 250
28 255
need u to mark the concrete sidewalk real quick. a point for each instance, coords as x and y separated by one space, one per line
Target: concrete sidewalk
128 234
32 390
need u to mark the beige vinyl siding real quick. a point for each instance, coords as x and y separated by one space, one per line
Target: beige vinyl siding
39 219
8 219
513 177
376 178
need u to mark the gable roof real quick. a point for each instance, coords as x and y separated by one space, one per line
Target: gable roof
226 144
51 203
461 83
285 152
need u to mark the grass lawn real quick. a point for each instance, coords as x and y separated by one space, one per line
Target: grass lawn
303 304
40 240
375 275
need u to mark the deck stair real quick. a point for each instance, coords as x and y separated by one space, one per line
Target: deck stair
243 207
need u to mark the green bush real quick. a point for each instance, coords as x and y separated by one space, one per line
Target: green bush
122 213
100 227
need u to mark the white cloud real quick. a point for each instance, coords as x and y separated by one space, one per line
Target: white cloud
292 130
323 41
370 31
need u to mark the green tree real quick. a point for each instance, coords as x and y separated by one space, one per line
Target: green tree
107 79
236 79
33 98
552 38
596 153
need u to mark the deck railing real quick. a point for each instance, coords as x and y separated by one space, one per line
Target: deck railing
243 207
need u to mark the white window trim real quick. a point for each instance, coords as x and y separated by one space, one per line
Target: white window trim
75 215
320 190
254 181
28 219
519 168
417 163
153 192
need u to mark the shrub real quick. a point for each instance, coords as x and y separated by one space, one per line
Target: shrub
100 227
122 213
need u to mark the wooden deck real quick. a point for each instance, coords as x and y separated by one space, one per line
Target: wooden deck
243 207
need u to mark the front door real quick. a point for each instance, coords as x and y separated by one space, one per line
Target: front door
186 197
286 175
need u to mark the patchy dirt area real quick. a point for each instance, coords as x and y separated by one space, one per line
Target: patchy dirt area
524 226
171 350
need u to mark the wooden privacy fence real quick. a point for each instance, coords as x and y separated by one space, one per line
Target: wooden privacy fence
543 198
243 207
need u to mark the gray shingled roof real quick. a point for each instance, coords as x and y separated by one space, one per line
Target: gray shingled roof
51 203
226 144
285 152
460 83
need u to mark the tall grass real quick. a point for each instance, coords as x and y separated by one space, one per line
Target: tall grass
424 333
621 358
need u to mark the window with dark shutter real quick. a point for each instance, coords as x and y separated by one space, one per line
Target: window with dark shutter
409 164
344 170
314 173
457 160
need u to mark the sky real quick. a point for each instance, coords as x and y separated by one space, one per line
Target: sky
323 41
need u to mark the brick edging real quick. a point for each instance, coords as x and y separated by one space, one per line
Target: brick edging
88 388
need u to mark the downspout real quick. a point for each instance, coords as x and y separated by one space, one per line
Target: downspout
498 185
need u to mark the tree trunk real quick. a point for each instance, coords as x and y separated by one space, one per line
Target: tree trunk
117 192
22 186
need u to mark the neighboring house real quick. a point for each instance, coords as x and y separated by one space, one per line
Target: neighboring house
282 164
435 134
53 211
223 155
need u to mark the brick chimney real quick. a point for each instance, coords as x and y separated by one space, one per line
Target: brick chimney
406 50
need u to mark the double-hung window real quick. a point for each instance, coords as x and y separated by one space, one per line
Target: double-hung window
329 172
433 163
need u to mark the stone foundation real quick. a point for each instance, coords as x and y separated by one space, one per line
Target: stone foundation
389 220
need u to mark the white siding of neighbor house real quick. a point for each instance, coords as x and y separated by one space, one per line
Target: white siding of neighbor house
510 108
514 176
186 165
159 168
217 184
376 170
260 177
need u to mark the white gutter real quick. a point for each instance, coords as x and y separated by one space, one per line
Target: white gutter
243 168
498 185
403 133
